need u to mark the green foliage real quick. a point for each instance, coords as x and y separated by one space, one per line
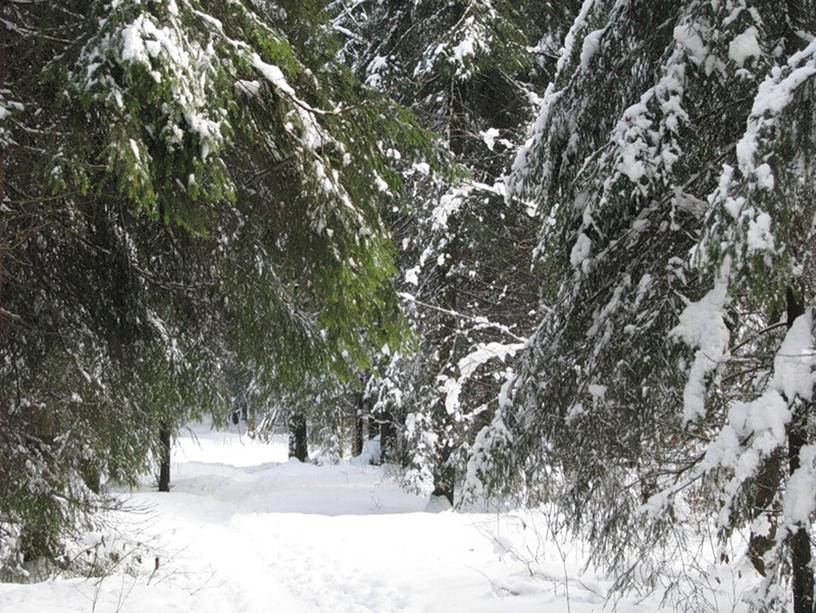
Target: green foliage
194 188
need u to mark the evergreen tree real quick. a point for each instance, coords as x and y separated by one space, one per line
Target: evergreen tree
625 162
466 69
188 185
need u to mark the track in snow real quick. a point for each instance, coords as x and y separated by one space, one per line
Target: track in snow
244 530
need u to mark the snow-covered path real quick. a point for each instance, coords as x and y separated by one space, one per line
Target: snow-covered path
246 531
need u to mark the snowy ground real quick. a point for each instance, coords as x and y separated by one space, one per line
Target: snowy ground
243 530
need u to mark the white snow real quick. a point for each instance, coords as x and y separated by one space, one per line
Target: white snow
273 74
580 250
756 429
245 530
795 363
760 237
744 46
485 352
702 327
489 137
590 47
800 495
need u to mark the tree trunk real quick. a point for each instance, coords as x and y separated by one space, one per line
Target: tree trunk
388 437
763 492
357 439
164 460
3 230
443 484
800 541
251 419
803 580
298 447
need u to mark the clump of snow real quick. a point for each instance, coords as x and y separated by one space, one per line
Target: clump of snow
489 137
795 362
370 454
598 392
412 275
800 496
690 40
702 327
744 47
273 74
590 47
756 429
250 88
580 250
760 237
772 98
373 72
448 205
485 352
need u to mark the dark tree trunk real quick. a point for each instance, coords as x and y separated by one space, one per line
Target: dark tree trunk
763 492
91 476
164 460
800 541
803 580
443 484
298 447
388 437
360 422
3 233
357 438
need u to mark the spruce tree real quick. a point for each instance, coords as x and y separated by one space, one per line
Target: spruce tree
467 70
188 185
629 412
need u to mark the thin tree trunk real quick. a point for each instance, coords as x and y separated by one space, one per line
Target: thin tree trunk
803 581
164 460
388 437
3 230
251 419
298 447
443 484
800 542
357 439
357 436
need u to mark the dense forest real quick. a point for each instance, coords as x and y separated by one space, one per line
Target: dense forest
540 254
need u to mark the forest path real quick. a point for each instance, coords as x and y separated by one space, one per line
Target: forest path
244 530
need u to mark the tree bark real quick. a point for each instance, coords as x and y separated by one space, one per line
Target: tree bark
803 580
388 437
443 484
357 438
164 460
298 446
3 230
360 422
800 542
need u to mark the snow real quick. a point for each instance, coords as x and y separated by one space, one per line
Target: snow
755 430
800 495
744 47
773 97
273 74
690 40
702 327
795 362
374 70
590 47
580 250
243 529
760 237
489 137
484 352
